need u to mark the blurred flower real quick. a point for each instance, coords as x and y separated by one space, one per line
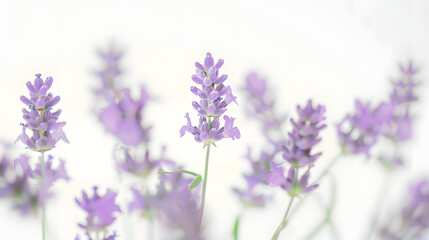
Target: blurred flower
304 136
214 98
290 183
46 131
414 215
109 73
51 174
100 210
261 106
248 196
123 118
359 132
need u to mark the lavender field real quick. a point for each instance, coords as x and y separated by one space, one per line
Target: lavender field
214 120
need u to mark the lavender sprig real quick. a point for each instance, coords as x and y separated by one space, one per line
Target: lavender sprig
44 125
302 139
214 99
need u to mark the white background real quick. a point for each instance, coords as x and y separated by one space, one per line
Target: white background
330 51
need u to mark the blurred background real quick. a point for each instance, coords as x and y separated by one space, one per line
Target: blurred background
332 52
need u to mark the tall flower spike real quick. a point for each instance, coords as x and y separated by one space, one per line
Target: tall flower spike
304 136
44 125
214 98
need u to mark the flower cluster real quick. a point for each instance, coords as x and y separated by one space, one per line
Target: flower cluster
302 139
109 73
261 106
261 168
358 133
123 118
16 186
183 215
100 214
414 216
51 174
46 130
214 99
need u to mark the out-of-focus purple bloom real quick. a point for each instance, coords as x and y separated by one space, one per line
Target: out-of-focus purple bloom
414 215
261 106
290 183
141 168
46 131
359 132
184 214
304 136
123 118
51 174
109 73
248 196
214 99
100 210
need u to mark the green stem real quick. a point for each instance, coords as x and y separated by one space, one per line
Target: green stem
206 168
42 181
284 222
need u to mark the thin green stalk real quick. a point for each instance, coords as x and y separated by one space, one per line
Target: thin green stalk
42 181
284 222
206 168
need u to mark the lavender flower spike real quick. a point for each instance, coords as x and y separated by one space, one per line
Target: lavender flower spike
44 125
305 136
100 210
214 98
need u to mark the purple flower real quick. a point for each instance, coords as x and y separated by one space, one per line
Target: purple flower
414 216
100 210
141 168
290 183
261 105
109 73
359 132
214 99
249 197
304 136
46 131
51 174
123 118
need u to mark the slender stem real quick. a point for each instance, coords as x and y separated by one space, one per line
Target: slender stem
203 196
318 179
42 182
284 222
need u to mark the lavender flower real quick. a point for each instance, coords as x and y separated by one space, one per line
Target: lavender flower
109 73
261 106
214 99
290 184
141 168
100 212
17 188
124 118
249 197
359 132
46 131
304 136
414 216
51 174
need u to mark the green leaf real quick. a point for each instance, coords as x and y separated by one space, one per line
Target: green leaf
195 183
